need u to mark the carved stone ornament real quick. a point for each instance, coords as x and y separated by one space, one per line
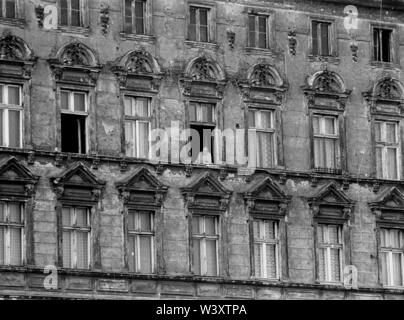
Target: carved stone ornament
388 89
262 76
138 62
203 70
9 50
40 15
231 37
292 42
75 55
354 49
104 18
326 83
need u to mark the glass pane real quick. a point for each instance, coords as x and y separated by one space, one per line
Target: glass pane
64 100
203 17
397 270
314 36
82 250
2 212
210 226
130 138
15 247
67 250
139 13
384 238
270 230
251 119
316 125
82 217
266 120
192 26
330 126
15 212
2 244
79 102
14 95
319 159
392 163
325 50
271 261
142 107
196 257
251 30
144 139
192 112
378 131
146 254
14 129
146 221
262 40
321 234
1 89
211 256
384 268
206 113
379 162
395 239
204 34
391 134
265 150
330 153
322 265
196 229
132 253
335 265
257 260
75 13
333 235
67 218
132 221
11 9
64 12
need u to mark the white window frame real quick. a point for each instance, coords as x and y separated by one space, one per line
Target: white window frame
5 107
73 230
7 225
327 256
256 33
203 237
137 233
136 120
259 128
263 246
390 251
385 146
323 136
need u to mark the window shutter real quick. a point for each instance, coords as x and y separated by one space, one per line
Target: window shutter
315 37
251 30
325 40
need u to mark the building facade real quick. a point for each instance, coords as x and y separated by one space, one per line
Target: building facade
101 195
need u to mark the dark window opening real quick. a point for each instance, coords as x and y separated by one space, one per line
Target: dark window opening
202 144
382 45
74 134
321 38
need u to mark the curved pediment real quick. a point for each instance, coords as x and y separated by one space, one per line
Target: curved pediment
14 48
204 69
77 54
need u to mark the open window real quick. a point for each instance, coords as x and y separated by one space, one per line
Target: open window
382 45
11 115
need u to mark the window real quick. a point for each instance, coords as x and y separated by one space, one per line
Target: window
262 144
135 16
10 116
11 233
205 238
330 247
321 38
137 127
71 13
258 31
8 9
74 118
392 257
266 249
387 150
203 123
76 237
198 29
382 45
141 238
326 142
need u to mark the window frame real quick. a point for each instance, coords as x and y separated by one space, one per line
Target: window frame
210 6
394 56
332 34
7 225
138 233
84 16
257 32
6 108
73 231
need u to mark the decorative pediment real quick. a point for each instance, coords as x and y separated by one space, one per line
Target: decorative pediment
78 182
331 202
266 197
389 205
207 193
142 187
16 57
263 84
16 179
203 77
76 63
139 70
325 89
386 97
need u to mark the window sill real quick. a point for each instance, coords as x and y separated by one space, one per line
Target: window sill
259 51
85 31
138 37
330 59
330 171
202 45
18 22
385 65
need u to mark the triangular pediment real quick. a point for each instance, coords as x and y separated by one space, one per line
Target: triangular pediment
331 195
142 179
391 198
267 190
11 169
78 174
207 184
